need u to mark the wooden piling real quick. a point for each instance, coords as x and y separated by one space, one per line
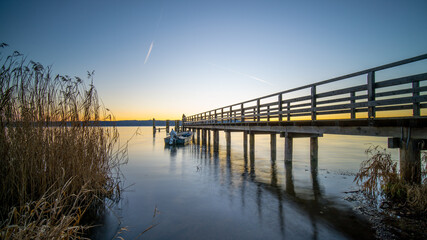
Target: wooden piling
198 136
245 144
154 125
252 145
167 126
209 137
314 149
410 161
273 145
228 140
288 149
204 137
216 140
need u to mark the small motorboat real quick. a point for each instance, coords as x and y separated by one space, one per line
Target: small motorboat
180 138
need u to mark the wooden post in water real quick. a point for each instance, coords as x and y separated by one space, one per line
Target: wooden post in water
167 126
410 161
314 150
204 137
288 149
228 140
193 135
209 137
273 146
410 155
216 140
245 144
252 145
198 136
154 126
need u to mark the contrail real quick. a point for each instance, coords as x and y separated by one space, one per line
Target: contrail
149 52
243 74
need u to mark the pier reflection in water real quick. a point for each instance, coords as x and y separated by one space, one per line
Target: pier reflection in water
207 194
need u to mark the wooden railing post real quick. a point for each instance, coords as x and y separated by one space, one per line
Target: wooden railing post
230 115
254 114
280 107
289 111
371 94
352 101
313 102
268 113
242 113
258 110
222 115
416 104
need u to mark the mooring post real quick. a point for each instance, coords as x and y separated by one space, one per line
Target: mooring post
288 149
154 125
252 145
167 126
314 149
273 146
228 140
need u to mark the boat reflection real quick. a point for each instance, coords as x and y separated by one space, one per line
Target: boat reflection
244 180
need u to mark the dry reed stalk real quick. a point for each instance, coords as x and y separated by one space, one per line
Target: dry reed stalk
56 160
378 175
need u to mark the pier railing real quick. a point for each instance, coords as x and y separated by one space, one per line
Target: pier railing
326 99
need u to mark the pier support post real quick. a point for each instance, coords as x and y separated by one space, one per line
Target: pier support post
288 149
216 140
209 137
314 150
245 144
410 161
228 140
193 134
252 146
204 137
273 146
410 156
198 136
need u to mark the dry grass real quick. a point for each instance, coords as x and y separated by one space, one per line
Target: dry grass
378 175
57 162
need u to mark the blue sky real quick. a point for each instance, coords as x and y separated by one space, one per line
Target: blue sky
206 54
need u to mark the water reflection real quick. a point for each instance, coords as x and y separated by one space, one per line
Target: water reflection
203 193
316 208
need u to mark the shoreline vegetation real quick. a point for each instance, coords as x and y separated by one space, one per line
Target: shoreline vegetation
397 209
55 180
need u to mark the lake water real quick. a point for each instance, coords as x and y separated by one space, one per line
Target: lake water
199 194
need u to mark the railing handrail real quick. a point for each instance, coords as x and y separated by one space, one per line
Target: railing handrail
335 79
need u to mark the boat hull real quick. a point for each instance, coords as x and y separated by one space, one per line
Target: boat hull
181 139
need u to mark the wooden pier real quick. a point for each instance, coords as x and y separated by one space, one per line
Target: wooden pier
390 107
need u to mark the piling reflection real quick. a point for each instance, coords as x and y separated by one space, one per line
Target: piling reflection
227 164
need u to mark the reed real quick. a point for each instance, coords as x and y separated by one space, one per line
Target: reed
378 175
57 162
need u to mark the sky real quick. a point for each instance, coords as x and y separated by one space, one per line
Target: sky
160 59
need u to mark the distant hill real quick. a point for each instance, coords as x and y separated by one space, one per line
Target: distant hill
136 123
